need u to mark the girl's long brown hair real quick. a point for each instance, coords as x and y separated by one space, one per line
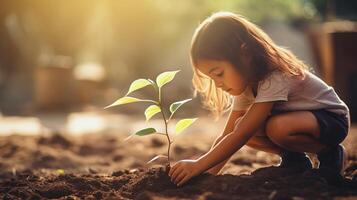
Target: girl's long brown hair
230 37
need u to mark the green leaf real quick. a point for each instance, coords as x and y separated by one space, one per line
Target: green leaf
183 124
138 84
176 105
124 100
151 111
60 171
155 158
145 131
165 77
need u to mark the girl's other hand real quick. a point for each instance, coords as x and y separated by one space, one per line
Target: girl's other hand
183 171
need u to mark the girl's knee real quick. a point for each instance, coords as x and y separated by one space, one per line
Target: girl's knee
277 130
273 127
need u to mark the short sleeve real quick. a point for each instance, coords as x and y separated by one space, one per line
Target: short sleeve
243 101
275 87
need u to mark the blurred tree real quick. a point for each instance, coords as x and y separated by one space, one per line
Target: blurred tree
128 38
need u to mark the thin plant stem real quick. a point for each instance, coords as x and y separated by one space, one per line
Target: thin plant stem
170 117
166 123
167 135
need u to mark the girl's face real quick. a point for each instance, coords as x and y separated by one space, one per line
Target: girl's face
224 75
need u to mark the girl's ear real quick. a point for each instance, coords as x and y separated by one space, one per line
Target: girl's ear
247 54
247 61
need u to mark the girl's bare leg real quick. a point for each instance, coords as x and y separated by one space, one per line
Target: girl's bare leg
295 131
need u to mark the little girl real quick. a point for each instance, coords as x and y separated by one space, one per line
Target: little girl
279 106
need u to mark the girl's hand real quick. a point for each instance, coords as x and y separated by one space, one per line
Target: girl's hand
183 171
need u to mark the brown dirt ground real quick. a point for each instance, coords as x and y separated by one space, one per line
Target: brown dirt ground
102 166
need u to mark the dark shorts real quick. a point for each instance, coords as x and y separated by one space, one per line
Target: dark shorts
333 127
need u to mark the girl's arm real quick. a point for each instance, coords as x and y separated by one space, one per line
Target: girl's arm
233 116
250 123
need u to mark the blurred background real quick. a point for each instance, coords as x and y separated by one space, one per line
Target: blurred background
61 62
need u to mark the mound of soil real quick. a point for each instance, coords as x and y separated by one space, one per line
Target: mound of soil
153 183
103 167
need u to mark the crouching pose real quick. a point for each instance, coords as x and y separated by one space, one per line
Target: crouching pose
278 105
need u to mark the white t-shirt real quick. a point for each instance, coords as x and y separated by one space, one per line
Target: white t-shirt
292 93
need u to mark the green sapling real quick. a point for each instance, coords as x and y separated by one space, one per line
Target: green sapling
156 107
